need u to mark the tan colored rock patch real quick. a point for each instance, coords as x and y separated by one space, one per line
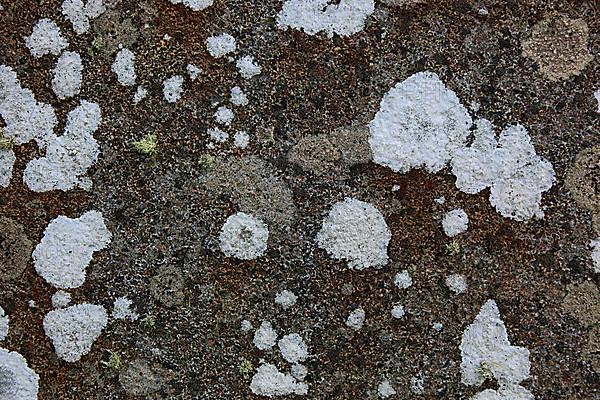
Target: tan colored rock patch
583 182
559 45
583 303
15 249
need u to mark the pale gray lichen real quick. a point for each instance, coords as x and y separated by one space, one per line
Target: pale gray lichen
46 38
243 236
265 336
455 222
220 45
293 349
66 80
17 380
269 382
80 13
356 319
3 325
124 67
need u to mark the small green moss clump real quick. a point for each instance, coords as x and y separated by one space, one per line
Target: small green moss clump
206 162
147 145
246 368
114 362
6 143
148 321
453 248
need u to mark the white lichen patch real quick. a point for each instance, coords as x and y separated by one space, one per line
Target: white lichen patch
80 13
398 311
68 156
355 231
455 222
238 97
224 115
457 283
193 71
122 309
74 329
241 139
505 392
345 17
595 246
417 384
66 80
420 124
195 5
3 326
356 319
516 174
403 280
244 236
269 382
246 326
17 380
172 88
61 299
485 349
46 38
25 118
293 349
140 94
597 96
220 45
248 67
286 299
124 67
7 162
299 371
265 336
217 135
385 389
67 248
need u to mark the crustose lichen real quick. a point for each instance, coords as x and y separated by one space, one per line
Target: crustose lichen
147 145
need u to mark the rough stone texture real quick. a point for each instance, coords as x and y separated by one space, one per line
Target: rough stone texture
15 249
582 182
167 286
583 303
141 378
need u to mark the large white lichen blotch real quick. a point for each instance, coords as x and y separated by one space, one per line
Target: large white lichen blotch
3 326
172 88
69 156
356 319
67 248
345 17
80 13
248 67
74 329
220 45
7 162
293 349
355 231
420 124
46 38
195 5
124 67
243 236
17 380
505 392
455 222
269 382
485 349
265 336
122 309
66 80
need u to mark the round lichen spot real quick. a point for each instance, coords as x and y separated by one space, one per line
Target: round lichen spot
244 236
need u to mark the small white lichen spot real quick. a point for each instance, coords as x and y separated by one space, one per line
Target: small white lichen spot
74 329
66 80
25 118
299 371
356 319
80 14
597 96
505 392
248 67
398 311
69 156
195 5
124 67
243 236
286 299
140 94
238 97
440 200
17 380
220 45
455 222
595 245
485 346
420 124
46 38
31 304
403 280
355 231
193 71
217 135
437 326
122 309
61 299
269 382
67 248
417 384
172 88
265 336
7 162
3 327
246 326
457 283
385 389
293 349
241 139
224 115
345 17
